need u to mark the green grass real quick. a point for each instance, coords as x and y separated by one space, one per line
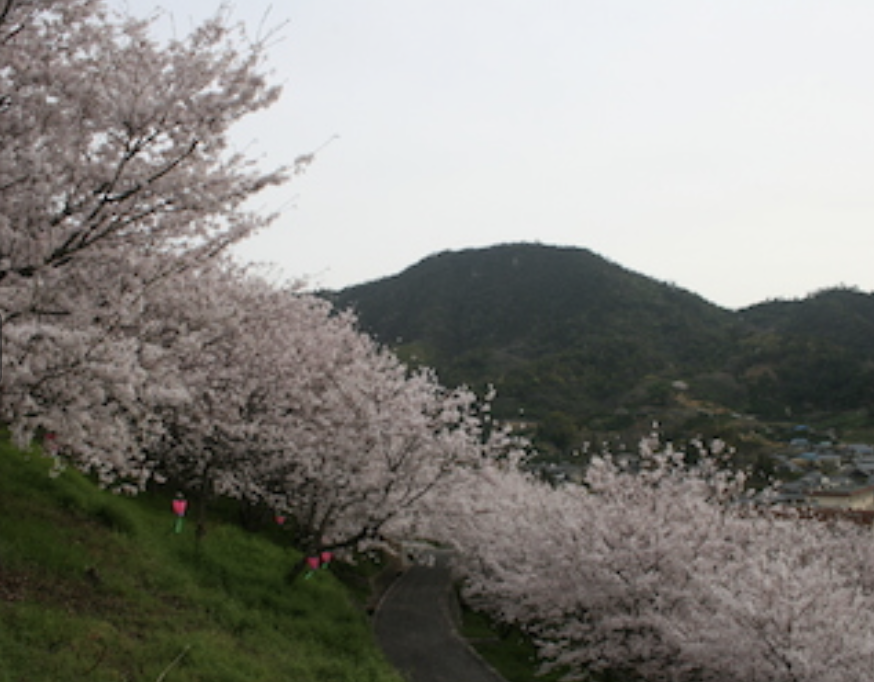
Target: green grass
512 653
506 649
98 587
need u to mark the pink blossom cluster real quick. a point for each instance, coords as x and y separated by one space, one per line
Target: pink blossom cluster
129 334
665 572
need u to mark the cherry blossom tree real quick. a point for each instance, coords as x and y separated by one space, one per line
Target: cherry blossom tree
228 335
88 379
112 140
658 572
117 187
115 172
284 402
793 605
366 440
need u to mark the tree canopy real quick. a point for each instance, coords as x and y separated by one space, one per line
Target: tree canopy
132 344
134 349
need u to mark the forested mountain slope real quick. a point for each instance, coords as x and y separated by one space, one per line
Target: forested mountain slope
818 352
552 328
564 330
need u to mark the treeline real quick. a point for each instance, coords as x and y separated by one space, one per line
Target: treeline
659 567
563 330
133 348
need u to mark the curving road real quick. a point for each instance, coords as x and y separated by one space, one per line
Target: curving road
414 627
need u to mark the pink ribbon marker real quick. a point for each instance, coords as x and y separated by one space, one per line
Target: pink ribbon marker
180 504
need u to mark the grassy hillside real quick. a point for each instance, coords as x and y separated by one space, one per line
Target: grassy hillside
98 587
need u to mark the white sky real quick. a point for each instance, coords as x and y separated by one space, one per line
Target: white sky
726 146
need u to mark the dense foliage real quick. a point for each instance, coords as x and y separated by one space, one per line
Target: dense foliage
551 328
660 569
133 348
810 355
562 330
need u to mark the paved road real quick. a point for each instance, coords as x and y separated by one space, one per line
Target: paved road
415 629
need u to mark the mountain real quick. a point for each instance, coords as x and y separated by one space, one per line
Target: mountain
550 327
562 332
841 317
810 355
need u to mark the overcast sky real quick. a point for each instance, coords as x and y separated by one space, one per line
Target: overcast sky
726 146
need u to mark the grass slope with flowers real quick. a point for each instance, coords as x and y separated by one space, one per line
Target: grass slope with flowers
99 587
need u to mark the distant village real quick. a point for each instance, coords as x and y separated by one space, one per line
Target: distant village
826 475
816 474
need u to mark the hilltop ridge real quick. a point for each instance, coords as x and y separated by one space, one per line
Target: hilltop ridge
562 331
